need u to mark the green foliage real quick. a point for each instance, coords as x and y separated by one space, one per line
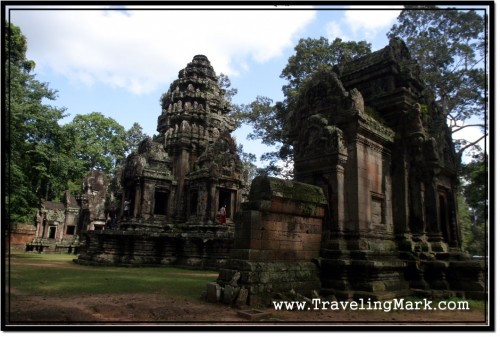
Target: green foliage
248 160
464 218
44 159
16 46
449 45
99 141
312 55
225 86
34 157
475 192
268 119
133 137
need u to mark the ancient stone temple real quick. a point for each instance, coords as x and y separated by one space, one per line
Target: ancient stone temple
58 224
191 169
371 136
173 186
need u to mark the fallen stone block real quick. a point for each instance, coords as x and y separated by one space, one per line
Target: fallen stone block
213 292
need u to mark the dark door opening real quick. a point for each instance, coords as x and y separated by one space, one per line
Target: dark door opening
193 203
52 232
444 219
161 202
225 200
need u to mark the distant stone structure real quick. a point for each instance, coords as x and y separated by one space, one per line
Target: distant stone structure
176 183
371 136
58 224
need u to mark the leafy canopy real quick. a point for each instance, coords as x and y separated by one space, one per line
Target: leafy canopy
268 119
43 158
449 44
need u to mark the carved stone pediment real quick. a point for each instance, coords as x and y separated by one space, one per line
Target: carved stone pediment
317 137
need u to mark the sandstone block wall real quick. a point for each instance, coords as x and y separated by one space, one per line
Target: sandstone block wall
282 222
277 237
19 234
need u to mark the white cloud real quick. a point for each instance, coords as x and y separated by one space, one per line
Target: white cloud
334 30
140 50
363 22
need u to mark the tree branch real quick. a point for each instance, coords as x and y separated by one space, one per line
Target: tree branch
470 145
466 126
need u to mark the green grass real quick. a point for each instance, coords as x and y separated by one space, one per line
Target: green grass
65 278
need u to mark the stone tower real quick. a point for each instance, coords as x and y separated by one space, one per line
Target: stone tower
191 168
176 182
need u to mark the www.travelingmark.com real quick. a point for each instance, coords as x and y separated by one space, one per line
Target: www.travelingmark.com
368 304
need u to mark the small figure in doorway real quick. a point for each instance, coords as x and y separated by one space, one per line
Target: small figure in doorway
222 213
126 208
111 223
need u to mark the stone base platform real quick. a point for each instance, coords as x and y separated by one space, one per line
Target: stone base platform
140 247
266 281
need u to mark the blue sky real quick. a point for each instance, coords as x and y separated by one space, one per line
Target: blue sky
119 62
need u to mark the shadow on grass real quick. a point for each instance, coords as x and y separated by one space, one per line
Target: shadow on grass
52 277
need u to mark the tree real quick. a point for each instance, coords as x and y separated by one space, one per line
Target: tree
449 45
268 120
44 159
464 218
475 192
100 142
312 55
133 137
33 137
247 160
225 86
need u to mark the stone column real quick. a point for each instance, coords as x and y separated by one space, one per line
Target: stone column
417 217
351 189
39 225
401 199
182 169
137 199
61 229
336 195
456 240
432 215
362 188
148 199
171 201
212 201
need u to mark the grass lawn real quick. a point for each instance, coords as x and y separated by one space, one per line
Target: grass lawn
52 288
58 275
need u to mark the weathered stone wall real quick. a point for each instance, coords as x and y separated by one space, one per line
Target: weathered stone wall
142 247
19 235
282 222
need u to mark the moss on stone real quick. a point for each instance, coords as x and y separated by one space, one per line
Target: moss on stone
265 188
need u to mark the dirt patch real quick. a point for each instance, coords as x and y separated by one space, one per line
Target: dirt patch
163 309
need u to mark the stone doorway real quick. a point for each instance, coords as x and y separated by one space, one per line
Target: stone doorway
444 218
161 202
225 198
52 232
